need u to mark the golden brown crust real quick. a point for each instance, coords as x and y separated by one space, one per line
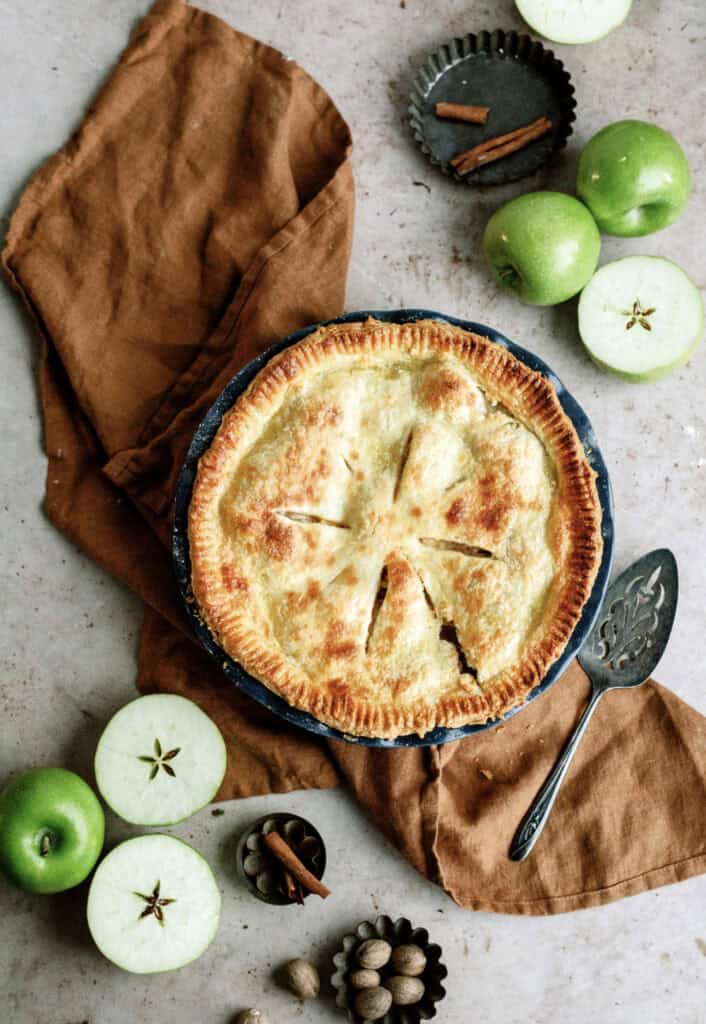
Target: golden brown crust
337 563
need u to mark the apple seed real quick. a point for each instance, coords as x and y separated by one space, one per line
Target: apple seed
154 904
159 760
638 316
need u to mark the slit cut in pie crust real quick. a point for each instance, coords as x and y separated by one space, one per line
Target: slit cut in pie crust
395 528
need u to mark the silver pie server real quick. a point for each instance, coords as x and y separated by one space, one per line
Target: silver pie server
622 650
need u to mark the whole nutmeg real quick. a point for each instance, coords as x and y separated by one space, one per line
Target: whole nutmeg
302 978
364 978
405 991
408 960
250 1017
373 954
372 1003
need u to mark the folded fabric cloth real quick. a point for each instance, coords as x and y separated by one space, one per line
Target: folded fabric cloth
203 210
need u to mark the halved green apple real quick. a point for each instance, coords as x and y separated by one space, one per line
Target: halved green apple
153 905
160 759
641 317
574 21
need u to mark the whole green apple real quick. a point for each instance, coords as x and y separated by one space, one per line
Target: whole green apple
634 178
51 830
543 246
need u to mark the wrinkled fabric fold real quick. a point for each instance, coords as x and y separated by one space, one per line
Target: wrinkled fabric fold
203 210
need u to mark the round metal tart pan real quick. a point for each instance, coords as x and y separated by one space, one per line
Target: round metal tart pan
251 842
201 442
396 933
512 74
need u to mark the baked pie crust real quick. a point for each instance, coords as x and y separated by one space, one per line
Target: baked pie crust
395 528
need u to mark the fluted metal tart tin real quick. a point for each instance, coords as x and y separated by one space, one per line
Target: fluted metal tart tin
397 933
202 439
299 833
512 74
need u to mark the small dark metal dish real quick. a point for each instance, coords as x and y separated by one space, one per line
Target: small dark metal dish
396 933
202 439
513 75
299 833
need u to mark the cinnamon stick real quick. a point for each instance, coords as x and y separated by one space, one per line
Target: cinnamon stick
502 145
462 112
286 855
294 891
499 140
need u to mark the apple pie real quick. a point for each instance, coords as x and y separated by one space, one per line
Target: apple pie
395 528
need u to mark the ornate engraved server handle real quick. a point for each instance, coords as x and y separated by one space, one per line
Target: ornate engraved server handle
534 821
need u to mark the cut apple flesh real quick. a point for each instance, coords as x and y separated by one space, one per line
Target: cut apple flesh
153 905
160 759
640 317
573 21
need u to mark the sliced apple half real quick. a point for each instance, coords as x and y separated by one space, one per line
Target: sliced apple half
153 905
160 759
574 21
641 317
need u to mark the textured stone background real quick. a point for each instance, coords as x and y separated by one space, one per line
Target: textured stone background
67 640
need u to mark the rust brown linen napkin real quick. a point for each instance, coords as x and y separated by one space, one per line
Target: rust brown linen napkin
203 210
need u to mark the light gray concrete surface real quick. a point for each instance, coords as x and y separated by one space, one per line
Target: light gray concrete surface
67 644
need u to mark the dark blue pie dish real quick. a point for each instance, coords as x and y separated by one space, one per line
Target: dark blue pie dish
201 442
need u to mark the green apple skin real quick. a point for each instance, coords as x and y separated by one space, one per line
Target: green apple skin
55 811
543 246
651 375
634 178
